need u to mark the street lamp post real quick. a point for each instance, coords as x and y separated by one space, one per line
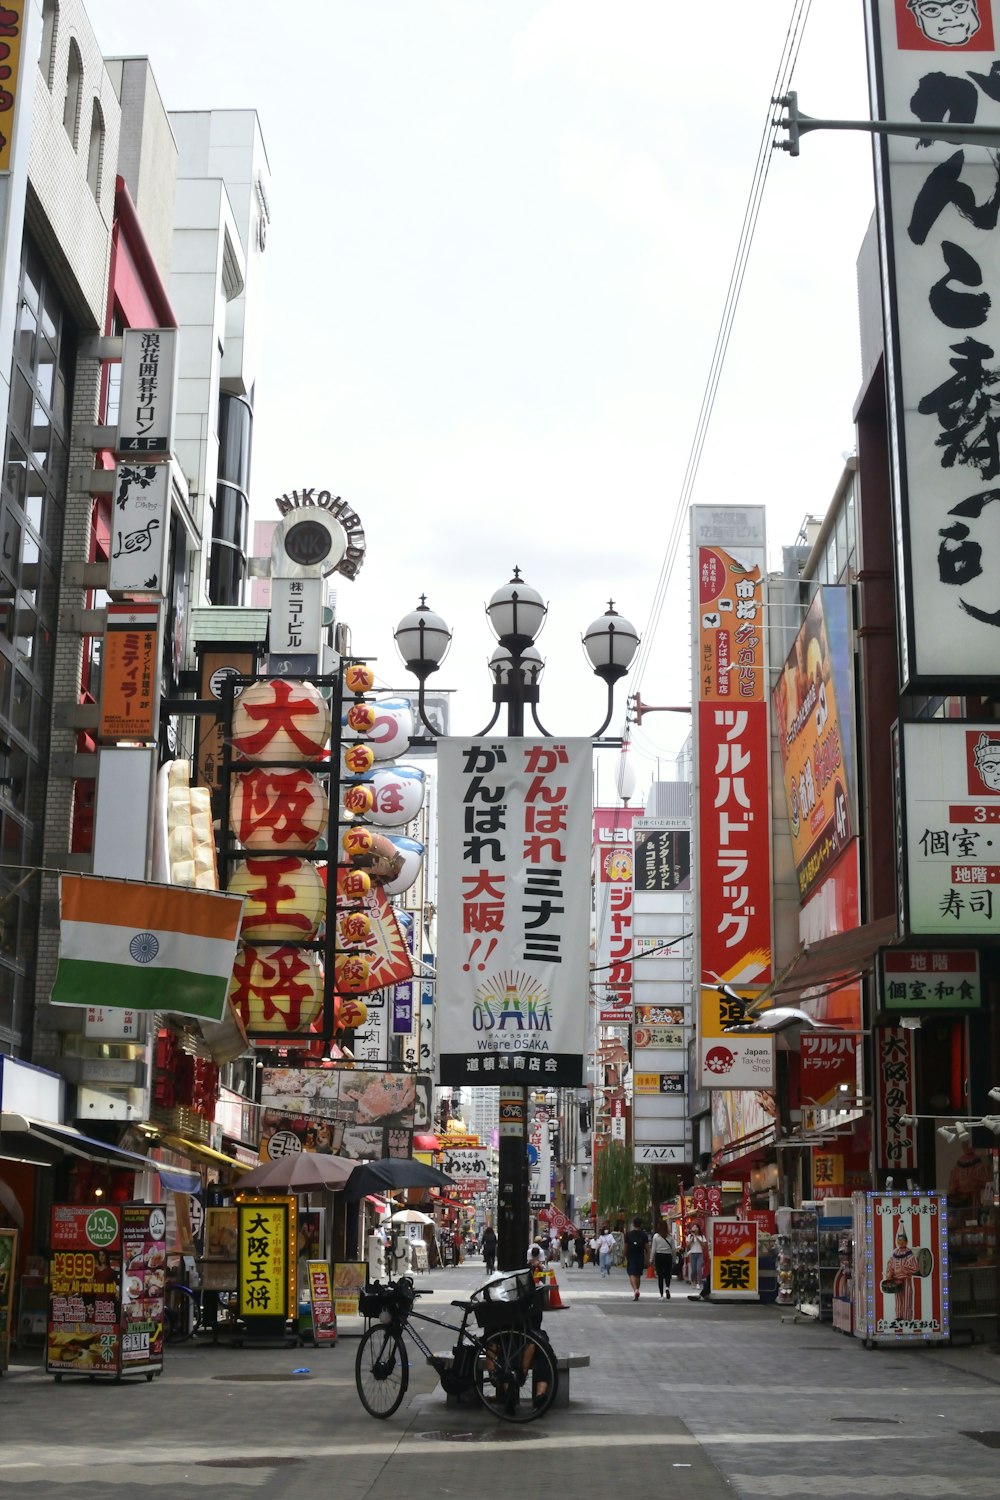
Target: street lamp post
516 613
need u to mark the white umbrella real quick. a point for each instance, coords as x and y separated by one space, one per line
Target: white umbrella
411 1216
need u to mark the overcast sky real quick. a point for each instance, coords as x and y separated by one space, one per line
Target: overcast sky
502 236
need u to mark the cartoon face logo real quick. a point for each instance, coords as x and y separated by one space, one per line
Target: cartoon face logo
986 758
951 23
619 864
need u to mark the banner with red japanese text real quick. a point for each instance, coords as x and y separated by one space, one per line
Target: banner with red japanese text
894 1087
907 1274
939 253
733 1246
614 900
513 958
828 1068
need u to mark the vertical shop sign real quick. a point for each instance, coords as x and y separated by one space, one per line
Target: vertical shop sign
828 1068
937 214
514 901
324 1317
130 673
264 1257
733 1245
140 529
895 1096
148 391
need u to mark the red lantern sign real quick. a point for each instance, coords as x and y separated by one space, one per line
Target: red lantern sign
281 720
273 809
285 898
277 990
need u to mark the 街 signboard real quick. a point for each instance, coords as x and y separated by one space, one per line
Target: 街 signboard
514 911
938 211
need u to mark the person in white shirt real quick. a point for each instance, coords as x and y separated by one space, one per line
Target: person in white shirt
606 1251
662 1251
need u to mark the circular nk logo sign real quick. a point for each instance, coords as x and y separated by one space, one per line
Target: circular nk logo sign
101 1227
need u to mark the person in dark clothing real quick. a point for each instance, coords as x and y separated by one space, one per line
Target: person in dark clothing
488 1246
581 1248
635 1254
662 1251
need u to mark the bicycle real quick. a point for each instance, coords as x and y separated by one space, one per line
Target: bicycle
509 1364
181 1309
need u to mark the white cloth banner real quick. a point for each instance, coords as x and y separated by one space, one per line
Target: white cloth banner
514 910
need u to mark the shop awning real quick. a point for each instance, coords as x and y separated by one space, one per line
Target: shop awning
377 1203
44 1142
829 962
425 1142
201 1152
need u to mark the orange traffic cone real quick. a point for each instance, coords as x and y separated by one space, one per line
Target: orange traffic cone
556 1303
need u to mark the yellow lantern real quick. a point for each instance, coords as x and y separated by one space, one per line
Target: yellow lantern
358 678
281 720
285 898
275 809
359 800
352 883
353 927
277 990
358 759
352 971
351 1014
361 717
357 842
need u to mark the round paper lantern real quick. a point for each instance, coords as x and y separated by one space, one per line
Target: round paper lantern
275 809
409 854
359 800
352 883
351 1013
277 990
358 678
361 717
285 898
357 842
352 971
353 927
281 720
358 759
398 795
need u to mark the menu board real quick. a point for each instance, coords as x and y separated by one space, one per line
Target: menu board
144 1253
348 1282
85 1278
8 1261
324 1319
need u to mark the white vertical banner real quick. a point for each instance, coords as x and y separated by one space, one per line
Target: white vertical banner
140 529
148 395
514 911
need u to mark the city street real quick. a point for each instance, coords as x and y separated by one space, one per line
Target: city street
681 1398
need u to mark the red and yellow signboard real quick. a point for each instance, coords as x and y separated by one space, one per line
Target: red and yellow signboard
733 1245
130 693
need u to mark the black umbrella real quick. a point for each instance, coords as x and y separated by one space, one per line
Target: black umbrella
392 1172
303 1172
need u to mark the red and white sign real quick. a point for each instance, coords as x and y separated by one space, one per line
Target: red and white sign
828 1068
908 1266
922 979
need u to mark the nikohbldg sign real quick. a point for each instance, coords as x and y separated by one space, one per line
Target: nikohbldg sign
938 211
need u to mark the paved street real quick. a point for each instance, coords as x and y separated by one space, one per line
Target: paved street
693 1401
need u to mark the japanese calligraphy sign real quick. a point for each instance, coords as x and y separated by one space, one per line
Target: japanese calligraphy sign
140 529
514 908
470 1169
950 782
733 1246
937 209
913 980
130 676
813 731
265 1256
895 1096
732 767
828 1068
148 391
657 1036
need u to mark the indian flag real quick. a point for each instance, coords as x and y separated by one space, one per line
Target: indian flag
145 947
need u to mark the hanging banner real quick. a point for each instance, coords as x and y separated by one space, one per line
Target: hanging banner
514 910
895 1096
148 391
936 213
130 673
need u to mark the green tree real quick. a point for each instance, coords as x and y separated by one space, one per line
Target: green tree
623 1189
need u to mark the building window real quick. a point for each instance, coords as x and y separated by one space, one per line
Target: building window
47 52
95 156
74 92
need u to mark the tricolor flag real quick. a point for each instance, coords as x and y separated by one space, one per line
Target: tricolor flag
145 947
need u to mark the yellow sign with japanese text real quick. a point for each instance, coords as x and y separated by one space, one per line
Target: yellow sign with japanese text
266 1257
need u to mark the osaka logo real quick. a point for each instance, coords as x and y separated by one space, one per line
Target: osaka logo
144 947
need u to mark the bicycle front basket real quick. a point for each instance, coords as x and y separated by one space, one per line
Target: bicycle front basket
371 1301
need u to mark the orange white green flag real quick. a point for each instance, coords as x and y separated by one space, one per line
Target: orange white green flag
130 946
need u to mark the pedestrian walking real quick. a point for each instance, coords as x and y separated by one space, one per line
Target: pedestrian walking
489 1249
566 1249
696 1256
662 1251
580 1245
636 1241
605 1247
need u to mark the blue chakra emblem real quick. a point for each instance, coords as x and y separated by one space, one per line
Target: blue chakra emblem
144 947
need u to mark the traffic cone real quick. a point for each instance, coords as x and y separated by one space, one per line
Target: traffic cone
556 1303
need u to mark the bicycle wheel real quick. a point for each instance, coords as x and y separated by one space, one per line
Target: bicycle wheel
381 1371
180 1314
515 1375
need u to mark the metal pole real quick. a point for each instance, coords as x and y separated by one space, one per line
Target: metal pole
512 1198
